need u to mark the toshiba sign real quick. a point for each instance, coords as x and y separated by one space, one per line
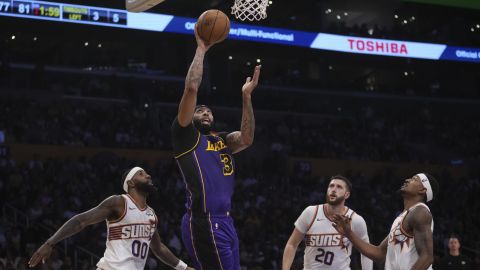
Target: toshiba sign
377 46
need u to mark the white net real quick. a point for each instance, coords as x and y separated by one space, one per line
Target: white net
250 9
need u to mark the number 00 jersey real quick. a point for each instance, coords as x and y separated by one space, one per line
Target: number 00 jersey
128 238
325 248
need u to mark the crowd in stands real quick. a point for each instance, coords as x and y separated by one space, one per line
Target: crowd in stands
414 133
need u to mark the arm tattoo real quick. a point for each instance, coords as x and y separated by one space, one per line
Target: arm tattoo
239 140
421 220
68 229
195 72
80 221
248 122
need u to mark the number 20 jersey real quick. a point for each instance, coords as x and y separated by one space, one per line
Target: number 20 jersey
129 237
325 248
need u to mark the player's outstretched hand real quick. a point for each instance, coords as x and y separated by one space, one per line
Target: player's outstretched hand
251 83
41 255
342 224
200 42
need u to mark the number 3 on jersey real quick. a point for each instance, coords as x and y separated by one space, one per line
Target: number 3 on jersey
227 161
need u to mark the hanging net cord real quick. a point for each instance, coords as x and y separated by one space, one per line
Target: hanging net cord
250 9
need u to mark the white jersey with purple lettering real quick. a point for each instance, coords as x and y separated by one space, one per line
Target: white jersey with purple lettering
401 250
128 238
325 248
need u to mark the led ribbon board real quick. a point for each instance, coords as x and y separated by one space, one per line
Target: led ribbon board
61 12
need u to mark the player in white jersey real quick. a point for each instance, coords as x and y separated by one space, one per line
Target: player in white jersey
131 227
409 245
325 248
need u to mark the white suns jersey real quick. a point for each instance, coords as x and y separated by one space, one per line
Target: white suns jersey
325 248
128 238
401 251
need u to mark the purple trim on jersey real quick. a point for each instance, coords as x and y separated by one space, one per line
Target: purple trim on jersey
188 204
211 242
214 162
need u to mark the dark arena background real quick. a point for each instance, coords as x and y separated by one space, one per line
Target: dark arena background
374 90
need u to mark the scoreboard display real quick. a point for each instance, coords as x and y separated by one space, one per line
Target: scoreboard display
109 17
63 12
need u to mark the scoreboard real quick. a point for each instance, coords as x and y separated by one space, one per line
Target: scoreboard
63 12
108 17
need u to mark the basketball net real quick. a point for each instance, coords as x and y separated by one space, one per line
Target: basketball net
250 9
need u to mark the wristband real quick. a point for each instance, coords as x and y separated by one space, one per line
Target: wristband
181 265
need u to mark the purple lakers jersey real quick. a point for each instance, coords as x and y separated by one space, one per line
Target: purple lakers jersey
207 168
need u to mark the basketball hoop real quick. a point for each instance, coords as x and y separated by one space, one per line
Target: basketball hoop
250 9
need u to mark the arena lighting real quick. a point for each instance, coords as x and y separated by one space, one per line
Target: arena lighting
106 17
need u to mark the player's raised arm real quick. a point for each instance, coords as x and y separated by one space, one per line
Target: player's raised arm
110 208
192 83
421 222
239 140
376 253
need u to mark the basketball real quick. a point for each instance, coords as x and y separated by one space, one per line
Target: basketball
213 26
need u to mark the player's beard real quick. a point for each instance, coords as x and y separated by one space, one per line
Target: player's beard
203 128
146 188
338 200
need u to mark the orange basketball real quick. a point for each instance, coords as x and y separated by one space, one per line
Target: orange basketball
213 26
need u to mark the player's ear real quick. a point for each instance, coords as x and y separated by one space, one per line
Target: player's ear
347 195
130 183
422 190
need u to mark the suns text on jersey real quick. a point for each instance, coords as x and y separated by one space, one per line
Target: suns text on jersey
138 231
323 240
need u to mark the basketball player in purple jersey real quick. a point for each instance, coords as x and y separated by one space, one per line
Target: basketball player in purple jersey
207 167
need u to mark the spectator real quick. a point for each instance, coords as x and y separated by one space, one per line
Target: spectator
454 260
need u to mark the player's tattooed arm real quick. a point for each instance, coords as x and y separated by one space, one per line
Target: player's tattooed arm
110 208
192 84
420 220
239 140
